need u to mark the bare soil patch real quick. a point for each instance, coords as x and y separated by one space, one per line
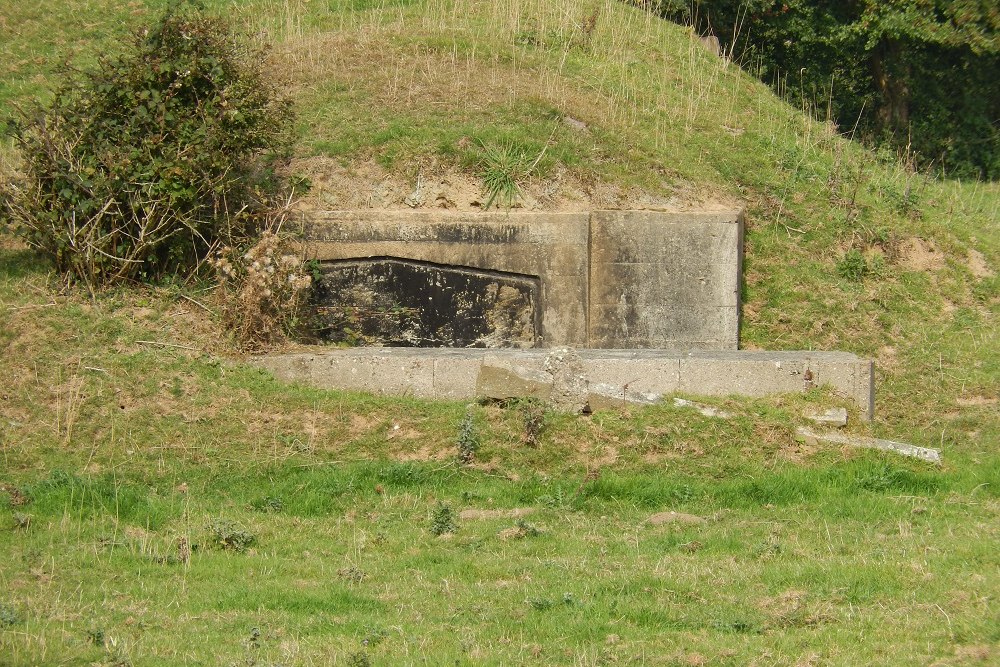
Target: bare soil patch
916 254
975 401
680 518
977 263
366 184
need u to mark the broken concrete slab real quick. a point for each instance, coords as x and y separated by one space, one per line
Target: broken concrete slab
569 381
501 384
705 410
902 448
612 376
604 396
831 417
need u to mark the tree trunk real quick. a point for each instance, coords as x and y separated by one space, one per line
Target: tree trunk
891 73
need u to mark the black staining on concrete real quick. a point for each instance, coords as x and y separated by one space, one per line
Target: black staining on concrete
398 302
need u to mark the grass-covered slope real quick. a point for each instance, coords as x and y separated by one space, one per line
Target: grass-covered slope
130 431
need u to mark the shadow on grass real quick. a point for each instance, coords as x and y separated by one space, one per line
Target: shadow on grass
17 263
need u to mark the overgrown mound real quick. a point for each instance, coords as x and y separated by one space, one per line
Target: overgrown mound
139 165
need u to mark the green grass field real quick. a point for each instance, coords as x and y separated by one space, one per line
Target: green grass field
162 502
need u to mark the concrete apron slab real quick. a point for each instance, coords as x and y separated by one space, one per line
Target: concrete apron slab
609 377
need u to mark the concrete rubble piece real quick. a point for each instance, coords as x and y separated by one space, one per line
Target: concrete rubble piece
573 380
830 417
705 410
902 448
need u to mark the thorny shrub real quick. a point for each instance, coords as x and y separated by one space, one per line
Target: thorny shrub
138 166
263 289
468 439
229 536
443 521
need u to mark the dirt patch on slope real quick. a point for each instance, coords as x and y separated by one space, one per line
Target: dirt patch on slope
919 255
368 185
977 263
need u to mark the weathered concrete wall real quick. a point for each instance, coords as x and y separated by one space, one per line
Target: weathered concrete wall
609 376
662 280
550 246
609 279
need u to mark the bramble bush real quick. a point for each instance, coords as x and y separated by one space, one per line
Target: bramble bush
140 166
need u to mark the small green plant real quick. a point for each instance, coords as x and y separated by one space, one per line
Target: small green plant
737 626
558 499
230 536
352 574
268 504
853 265
96 636
22 521
526 529
300 183
468 439
374 636
544 604
541 604
359 659
8 616
314 270
443 520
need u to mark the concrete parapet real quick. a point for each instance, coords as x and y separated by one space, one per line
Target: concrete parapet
641 376
665 280
607 279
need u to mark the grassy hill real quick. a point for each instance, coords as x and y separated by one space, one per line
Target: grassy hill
130 429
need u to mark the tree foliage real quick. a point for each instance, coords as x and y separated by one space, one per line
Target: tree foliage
915 73
139 165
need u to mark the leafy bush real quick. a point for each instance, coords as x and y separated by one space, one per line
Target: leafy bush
139 165
918 76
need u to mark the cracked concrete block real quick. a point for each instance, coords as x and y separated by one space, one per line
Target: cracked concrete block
832 417
569 381
517 382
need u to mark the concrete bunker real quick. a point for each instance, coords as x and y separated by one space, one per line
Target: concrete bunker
603 279
649 299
